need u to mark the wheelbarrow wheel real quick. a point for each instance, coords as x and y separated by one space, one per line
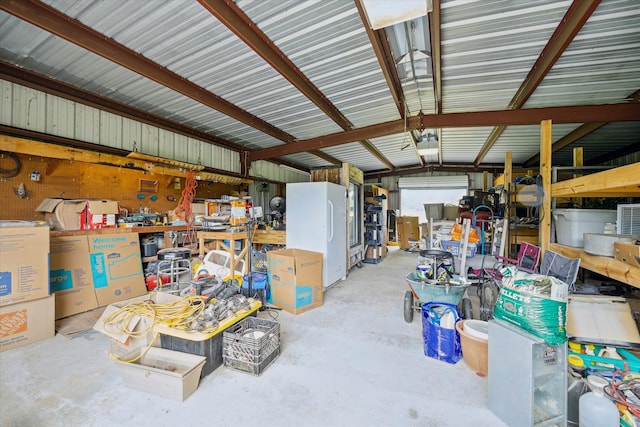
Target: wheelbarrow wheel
467 311
408 306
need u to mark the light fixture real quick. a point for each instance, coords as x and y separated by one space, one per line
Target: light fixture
428 144
384 13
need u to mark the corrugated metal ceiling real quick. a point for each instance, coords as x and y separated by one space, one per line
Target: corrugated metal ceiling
487 51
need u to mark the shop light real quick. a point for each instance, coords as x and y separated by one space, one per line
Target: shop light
384 13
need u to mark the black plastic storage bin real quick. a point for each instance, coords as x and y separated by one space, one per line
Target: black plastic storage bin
211 349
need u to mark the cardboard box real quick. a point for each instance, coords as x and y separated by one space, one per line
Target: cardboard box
124 345
408 229
27 322
116 267
295 278
600 319
99 214
24 262
627 252
450 212
199 209
71 278
166 373
79 214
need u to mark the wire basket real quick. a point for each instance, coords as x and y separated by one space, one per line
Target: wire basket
259 260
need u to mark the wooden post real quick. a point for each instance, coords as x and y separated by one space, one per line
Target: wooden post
508 177
544 233
578 161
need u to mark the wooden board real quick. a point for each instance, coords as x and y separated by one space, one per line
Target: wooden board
609 267
71 179
269 237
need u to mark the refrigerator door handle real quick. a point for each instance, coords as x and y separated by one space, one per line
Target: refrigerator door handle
331 219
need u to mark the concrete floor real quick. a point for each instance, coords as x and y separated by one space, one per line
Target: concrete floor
352 362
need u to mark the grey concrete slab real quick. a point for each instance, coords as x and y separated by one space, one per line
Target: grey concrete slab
352 362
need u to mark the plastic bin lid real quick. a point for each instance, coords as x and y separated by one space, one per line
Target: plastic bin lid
477 328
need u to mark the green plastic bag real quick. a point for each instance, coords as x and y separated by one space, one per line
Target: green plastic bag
534 303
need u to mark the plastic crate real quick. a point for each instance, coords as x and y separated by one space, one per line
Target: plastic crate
453 246
211 349
251 345
254 368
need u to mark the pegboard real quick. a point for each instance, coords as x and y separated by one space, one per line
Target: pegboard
75 180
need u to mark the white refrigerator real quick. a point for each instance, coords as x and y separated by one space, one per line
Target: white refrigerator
316 220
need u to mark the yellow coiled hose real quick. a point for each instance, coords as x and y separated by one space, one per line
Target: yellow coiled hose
176 314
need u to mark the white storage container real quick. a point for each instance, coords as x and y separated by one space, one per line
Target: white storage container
571 224
166 373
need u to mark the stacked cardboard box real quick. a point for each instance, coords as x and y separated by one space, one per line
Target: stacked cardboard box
90 271
408 229
26 306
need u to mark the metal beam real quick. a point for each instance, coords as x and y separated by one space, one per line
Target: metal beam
324 156
462 168
382 50
615 154
59 24
380 44
239 23
529 116
436 54
567 140
45 84
570 25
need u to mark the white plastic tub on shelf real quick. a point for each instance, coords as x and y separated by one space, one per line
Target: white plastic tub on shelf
571 224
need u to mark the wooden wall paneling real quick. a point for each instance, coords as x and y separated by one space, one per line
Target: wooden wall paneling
72 179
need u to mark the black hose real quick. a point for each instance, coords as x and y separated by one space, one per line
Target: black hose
10 173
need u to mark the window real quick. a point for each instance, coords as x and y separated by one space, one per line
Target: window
416 192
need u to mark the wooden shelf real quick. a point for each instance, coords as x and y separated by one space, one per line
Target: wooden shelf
606 266
623 181
140 230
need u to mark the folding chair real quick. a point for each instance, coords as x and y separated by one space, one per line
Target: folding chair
560 267
528 258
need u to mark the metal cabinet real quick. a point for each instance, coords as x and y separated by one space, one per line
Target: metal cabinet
527 378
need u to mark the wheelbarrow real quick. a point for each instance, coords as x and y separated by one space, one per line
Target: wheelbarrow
422 291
